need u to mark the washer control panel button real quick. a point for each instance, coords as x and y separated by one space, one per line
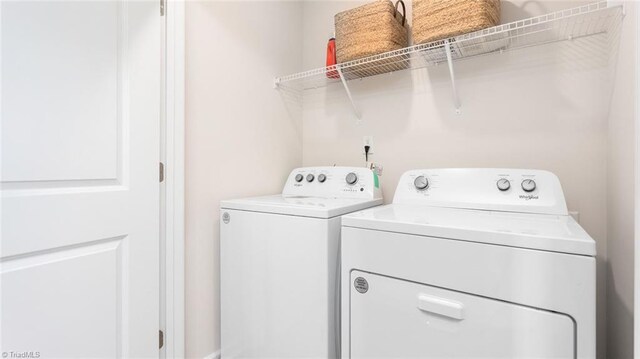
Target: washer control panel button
322 177
299 177
351 178
310 177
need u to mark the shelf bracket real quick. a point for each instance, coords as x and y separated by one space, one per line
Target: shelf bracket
356 111
456 99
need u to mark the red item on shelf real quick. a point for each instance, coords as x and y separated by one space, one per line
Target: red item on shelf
331 59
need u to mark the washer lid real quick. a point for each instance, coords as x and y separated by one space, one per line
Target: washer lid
555 233
301 206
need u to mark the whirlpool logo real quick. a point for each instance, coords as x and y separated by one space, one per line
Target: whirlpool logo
528 197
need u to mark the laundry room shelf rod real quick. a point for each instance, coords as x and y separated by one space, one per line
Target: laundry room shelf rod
597 18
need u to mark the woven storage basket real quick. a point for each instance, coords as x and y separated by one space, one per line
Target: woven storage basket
440 19
370 30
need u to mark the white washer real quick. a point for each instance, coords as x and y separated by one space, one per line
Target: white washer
469 263
279 264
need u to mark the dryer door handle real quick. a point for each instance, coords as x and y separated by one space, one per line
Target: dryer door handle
441 306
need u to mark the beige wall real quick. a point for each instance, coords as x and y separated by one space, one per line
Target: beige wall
620 201
240 138
545 107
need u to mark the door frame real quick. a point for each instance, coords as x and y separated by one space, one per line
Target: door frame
172 153
636 256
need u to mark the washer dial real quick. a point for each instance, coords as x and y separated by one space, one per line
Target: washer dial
421 182
351 178
310 177
503 184
299 177
322 177
528 185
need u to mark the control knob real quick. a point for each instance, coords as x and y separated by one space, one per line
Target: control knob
351 178
310 177
421 182
322 177
528 185
299 177
503 184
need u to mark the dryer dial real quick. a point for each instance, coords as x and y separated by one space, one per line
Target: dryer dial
421 182
528 185
503 184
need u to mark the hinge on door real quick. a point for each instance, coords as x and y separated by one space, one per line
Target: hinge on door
162 7
161 172
160 339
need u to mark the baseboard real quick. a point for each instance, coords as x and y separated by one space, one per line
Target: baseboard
214 355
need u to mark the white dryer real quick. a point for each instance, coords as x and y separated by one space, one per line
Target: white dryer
469 263
280 264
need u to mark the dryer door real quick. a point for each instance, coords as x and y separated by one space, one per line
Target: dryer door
392 318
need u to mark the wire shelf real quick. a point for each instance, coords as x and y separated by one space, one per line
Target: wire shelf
587 20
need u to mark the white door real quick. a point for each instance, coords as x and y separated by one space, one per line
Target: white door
80 146
393 318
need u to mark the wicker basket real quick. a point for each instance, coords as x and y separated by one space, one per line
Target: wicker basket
440 19
370 30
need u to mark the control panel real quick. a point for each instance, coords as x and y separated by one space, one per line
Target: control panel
333 182
509 190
